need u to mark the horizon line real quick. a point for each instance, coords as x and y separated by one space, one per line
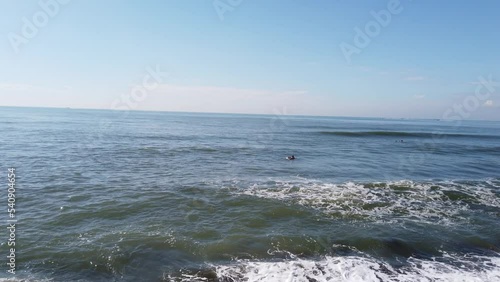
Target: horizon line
236 113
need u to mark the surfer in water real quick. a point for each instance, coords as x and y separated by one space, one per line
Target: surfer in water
291 158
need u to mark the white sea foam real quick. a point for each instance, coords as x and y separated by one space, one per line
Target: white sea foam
353 268
441 203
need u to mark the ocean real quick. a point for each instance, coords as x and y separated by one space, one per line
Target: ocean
156 196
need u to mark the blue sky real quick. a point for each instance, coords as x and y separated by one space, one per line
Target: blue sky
255 57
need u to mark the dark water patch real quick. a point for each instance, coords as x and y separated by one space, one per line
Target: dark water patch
237 246
314 126
202 149
281 212
477 244
375 185
494 150
106 210
459 196
257 223
207 234
405 134
155 150
193 190
193 150
93 263
150 138
371 206
401 188
393 248
399 247
79 198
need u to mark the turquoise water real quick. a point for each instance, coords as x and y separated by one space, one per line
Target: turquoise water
147 196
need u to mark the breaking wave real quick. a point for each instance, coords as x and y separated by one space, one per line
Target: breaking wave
448 267
365 269
435 203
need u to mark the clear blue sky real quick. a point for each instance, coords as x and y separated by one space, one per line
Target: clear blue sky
261 57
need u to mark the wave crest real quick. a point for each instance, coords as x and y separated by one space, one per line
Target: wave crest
435 203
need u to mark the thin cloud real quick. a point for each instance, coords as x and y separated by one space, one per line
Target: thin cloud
313 63
365 69
415 78
223 99
18 87
225 91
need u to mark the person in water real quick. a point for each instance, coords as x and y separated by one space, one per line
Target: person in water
291 158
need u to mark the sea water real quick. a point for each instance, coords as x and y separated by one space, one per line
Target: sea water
151 196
